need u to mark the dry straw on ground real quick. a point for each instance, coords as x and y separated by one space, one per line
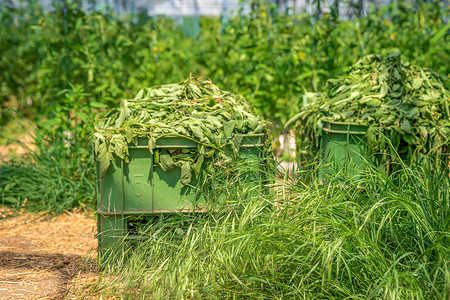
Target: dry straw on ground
40 257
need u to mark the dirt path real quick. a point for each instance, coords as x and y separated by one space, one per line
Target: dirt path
39 258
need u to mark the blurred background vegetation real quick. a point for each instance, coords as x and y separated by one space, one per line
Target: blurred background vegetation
269 57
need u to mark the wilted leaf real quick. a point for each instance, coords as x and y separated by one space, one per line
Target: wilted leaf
186 174
120 145
229 127
151 144
166 161
104 157
417 83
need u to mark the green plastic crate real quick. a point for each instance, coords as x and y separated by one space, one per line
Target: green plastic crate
344 152
343 149
140 187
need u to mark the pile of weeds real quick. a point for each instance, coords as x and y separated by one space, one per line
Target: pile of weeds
195 109
389 95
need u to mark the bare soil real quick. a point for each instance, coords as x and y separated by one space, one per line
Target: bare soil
40 258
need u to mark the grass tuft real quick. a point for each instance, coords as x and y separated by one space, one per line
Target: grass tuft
54 177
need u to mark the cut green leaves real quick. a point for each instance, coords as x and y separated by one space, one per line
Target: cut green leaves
194 109
388 94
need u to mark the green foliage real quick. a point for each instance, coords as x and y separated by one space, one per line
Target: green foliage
387 240
19 54
418 29
47 180
269 58
110 57
273 59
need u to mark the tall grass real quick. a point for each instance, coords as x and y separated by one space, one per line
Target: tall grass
58 174
371 238
47 179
